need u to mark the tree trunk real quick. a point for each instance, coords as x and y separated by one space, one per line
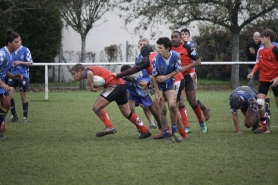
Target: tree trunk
82 58
235 58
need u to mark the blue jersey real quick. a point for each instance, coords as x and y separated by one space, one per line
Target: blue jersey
6 63
144 74
245 92
162 66
134 88
22 54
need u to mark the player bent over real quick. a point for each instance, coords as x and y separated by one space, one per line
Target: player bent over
137 95
114 90
244 98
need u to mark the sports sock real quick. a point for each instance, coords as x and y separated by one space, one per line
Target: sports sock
12 108
25 109
104 118
198 113
267 105
174 127
183 114
137 122
166 133
182 132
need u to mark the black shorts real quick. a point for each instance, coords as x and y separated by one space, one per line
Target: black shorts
189 84
23 84
264 87
115 93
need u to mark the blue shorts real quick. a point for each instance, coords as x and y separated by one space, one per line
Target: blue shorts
146 101
166 86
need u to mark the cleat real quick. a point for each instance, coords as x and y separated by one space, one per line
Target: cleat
167 140
187 130
106 131
13 118
185 137
152 126
143 135
206 113
260 129
256 124
204 127
177 137
24 120
2 137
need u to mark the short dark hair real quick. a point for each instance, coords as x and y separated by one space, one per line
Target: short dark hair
77 67
177 32
185 30
165 41
236 101
10 36
269 33
125 67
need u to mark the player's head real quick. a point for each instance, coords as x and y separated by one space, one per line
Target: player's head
77 72
12 40
146 50
142 42
268 34
164 45
176 38
185 34
125 67
236 101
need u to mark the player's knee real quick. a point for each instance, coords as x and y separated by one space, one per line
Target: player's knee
260 104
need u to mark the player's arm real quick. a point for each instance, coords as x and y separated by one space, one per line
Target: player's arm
236 122
90 79
194 56
14 76
16 63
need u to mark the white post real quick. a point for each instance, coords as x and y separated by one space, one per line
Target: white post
46 82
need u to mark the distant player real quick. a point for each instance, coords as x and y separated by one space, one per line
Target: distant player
12 43
267 60
22 62
244 98
114 90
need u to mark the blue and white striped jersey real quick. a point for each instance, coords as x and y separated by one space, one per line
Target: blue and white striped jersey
22 54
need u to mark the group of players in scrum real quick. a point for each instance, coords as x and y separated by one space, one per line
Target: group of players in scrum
171 72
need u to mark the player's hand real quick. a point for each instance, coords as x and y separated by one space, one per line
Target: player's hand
6 87
274 82
114 74
161 78
16 63
250 75
143 84
18 77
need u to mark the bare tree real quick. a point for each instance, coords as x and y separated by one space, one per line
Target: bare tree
81 16
231 14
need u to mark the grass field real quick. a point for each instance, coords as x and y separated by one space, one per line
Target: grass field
58 146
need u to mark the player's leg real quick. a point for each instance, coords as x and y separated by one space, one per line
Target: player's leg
191 98
267 106
4 108
149 116
13 84
183 112
24 85
121 100
250 117
147 103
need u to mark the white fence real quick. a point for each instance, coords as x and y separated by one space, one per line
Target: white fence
46 65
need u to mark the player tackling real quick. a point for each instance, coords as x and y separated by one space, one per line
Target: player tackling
114 90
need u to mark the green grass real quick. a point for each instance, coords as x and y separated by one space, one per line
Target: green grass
58 146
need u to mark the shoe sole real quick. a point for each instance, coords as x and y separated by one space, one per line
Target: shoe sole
101 134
